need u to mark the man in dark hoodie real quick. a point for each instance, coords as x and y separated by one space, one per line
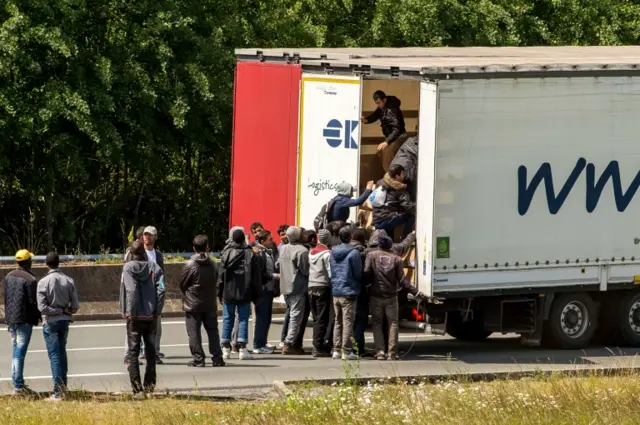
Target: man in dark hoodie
320 292
407 157
198 286
344 201
384 273
268 254
392 122
358 241
142 296
294 281
239 284
346 275
398 207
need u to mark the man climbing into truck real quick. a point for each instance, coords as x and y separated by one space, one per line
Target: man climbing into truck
392 204
392 122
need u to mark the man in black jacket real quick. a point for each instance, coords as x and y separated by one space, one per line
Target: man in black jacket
21 314
239 284
198 286
268 254
392 122
398 207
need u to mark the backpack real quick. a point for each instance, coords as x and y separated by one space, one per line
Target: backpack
378 198
320 222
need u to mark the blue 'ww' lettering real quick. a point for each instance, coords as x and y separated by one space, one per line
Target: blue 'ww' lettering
593 188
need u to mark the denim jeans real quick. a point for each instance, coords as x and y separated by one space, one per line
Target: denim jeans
228 319
262 320
390 225
20 338
55 338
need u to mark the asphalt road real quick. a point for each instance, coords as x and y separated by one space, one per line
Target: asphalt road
96 353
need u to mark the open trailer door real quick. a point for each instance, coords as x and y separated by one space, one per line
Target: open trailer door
328 144
426 186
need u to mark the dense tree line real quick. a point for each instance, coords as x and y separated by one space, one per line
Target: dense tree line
115 113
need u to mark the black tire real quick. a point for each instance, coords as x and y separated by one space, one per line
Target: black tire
572 321
628 318
472 330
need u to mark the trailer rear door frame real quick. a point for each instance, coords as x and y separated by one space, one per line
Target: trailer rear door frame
425 207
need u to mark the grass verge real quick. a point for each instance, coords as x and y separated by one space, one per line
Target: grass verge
540 400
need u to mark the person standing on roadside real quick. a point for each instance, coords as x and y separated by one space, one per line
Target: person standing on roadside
294 281
127 258
384 273
198 286
346 274
21 315
358 241
268 254
150 238
320 292
282 234
58 302
142 295
239 284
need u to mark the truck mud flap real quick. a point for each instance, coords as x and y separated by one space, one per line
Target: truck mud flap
437 328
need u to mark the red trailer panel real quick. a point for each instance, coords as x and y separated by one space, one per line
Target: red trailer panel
265 144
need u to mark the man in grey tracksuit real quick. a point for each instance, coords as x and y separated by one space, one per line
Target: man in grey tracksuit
294 282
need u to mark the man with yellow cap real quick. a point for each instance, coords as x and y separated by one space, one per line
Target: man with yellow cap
21 314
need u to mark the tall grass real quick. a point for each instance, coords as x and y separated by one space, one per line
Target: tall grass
543 400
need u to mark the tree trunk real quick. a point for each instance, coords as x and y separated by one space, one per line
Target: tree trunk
49 212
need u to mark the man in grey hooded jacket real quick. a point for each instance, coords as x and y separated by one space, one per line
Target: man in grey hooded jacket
294 282
142 296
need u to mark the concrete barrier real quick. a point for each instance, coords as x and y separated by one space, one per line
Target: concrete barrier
98 287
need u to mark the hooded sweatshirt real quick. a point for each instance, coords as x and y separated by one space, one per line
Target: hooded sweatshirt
346 271
384 274
142 290
319 267
343 202
198 284
397 248
294 264
398 200
240 279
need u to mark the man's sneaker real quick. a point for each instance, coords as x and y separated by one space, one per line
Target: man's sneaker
194 363
381 356
159 360
292 351
321 354
139 396
262 350
161 355
226 353
23 391
234 350
281 345
394 357
336 355
53 398
245 354
349 356
218 362
271 346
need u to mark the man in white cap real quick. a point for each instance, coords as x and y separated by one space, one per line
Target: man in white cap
149 238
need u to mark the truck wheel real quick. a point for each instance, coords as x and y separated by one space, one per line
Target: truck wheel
472 330
629 318
572 321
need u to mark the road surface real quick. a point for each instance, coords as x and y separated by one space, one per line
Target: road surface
96 352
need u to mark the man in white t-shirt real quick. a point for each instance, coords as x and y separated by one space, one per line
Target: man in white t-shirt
149 238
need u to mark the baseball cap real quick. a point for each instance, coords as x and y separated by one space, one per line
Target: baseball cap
23 255
151 230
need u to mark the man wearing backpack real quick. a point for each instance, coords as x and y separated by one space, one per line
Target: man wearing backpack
392 203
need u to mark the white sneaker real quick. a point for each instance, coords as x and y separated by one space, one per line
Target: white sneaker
234 350
226 353
336 355
262 350
245 354
270 346
281 345
349 356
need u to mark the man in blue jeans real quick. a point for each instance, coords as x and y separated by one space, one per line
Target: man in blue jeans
397 208
58 302
268 254
239 284
21 315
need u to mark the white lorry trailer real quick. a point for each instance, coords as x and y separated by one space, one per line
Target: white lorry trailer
529 163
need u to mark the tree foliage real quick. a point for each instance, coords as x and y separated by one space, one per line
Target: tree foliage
116 113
